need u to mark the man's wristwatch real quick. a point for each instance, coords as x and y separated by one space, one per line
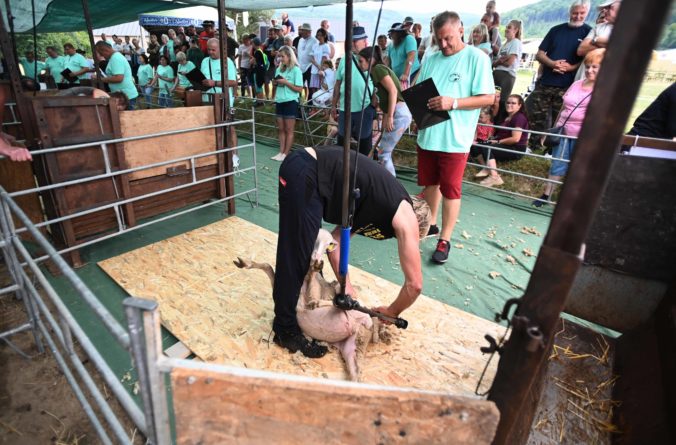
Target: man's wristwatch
593 41
455 104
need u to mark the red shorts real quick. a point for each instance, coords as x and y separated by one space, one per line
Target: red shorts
442 169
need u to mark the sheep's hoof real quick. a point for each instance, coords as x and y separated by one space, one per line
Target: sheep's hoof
242 264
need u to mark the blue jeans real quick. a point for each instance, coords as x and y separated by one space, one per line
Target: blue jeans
147 92
165 99
402 119
132 104
563 151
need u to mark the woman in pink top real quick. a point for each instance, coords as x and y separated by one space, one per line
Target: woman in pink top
572 114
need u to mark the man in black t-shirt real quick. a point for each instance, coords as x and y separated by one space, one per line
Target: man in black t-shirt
310 189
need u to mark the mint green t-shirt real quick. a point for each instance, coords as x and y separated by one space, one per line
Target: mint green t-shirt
182 70
168 72
145 74
358 87
55 65
170 48
211 68
118 65
284 93
75 63
398 55
464 74
29 68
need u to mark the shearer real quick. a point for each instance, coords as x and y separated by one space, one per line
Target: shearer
310 188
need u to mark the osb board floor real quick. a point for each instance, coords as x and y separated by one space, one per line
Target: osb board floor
224 314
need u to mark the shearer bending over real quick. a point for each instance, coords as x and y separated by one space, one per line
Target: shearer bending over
310 188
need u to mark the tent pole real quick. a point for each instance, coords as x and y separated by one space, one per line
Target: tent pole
347 106
90 32
10 22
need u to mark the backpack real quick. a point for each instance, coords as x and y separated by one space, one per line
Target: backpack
266 62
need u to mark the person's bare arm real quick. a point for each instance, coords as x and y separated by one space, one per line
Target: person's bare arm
445 103
405 227
542 57
512 140
336 98
410 57
507 60
585 46
391 88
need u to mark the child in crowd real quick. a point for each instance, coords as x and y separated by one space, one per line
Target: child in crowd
322 97
482 134
260 67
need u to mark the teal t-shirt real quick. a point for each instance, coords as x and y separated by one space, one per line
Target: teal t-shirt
464 74
211 68
75 63
118 65
30 69
398 54
165 71
182 69
170 48
284 93
55 65
358 87
145 74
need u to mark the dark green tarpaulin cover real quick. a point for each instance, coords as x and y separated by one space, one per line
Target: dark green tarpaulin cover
67 15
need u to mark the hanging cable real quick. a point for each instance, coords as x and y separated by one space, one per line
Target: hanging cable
35 48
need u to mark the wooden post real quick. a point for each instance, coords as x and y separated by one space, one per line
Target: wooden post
223 114
516 386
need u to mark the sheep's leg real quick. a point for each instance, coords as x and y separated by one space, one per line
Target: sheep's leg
375 336
265 267
348 350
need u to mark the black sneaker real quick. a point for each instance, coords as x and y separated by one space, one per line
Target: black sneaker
541 201
441 254
432 231
296 341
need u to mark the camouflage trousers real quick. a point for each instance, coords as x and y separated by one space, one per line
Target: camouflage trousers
543 105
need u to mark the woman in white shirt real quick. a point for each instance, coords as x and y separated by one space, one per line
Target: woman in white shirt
508 61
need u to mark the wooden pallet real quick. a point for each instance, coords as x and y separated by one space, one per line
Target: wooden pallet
224 314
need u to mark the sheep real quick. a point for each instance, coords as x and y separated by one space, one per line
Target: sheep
350 331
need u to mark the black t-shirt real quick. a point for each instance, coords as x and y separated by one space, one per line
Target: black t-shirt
659 119
380 193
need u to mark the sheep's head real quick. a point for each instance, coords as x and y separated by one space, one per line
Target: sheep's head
324 243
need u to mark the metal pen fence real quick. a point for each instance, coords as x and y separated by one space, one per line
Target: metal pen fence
317 125
53 323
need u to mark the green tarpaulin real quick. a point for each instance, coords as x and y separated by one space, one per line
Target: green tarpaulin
67 15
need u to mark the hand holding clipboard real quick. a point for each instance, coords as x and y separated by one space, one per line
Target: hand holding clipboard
425 104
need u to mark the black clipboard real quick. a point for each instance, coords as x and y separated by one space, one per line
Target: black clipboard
416 98
65 73
195 76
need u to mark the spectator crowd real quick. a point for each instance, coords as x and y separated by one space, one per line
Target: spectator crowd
297 66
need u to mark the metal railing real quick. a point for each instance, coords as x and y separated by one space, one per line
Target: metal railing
53 324
112 174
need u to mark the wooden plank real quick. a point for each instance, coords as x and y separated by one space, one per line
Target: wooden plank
178 350
224 314
245 408
148 151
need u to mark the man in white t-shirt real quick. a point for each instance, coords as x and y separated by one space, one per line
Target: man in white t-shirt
600 35
306 47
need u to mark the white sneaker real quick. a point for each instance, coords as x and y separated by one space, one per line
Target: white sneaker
282 156
276 157
235 161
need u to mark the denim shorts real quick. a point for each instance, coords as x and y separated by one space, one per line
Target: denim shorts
286 110
562 151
